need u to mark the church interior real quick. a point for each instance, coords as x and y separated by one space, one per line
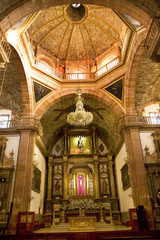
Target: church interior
79 119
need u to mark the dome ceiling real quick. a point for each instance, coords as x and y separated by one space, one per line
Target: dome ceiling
72 34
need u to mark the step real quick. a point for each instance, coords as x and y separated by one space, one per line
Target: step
102 225
64 226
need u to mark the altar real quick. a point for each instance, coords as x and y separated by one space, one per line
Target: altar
82 222
78 178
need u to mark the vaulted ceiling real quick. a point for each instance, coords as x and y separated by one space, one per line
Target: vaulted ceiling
76 33
68 34
104 119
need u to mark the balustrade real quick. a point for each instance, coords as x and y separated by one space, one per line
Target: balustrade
19 123
5 49
79 76
138 119
107 67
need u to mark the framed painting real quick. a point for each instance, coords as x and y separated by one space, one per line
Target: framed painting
125 177
36 180
80 145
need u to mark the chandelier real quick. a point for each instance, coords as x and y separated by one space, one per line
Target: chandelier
80 117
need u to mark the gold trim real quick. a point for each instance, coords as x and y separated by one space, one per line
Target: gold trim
45 25
91 40
84 42
53 9
121 103
101 19
112 84
62 40
103 30
27 22
34 99
125 20
40 102
90 9
69 42
50 32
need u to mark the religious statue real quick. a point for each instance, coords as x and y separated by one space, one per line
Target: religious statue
57 187
81 180
80 145
104 186
158 197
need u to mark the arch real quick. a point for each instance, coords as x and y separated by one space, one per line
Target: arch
132 74
14 12
26 102
58 96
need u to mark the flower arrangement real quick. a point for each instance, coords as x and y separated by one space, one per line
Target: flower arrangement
87 204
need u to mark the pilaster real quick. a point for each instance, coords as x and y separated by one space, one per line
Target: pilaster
137 172
112 181
48 207
96 182
23 177
65 179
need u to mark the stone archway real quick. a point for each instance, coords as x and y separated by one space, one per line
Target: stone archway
58 96
132 74
26 96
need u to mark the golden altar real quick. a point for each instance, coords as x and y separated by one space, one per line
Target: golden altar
82 222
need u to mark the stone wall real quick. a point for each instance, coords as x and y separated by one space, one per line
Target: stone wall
147 82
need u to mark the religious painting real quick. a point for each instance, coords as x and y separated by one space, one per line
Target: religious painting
125 177
40 91
116 89
80 145
58 187
36 180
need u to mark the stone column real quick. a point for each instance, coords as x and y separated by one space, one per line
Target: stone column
74 185
48 207
137 172
50 170
96 180
87 180
23 177
113 190
65 140
94 140
65 179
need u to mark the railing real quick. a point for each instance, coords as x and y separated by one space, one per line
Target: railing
5 49
152 40
20 123
152 32
71 76
138 120
46 68
107 67
77 76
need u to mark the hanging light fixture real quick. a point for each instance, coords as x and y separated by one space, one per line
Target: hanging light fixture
80 117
